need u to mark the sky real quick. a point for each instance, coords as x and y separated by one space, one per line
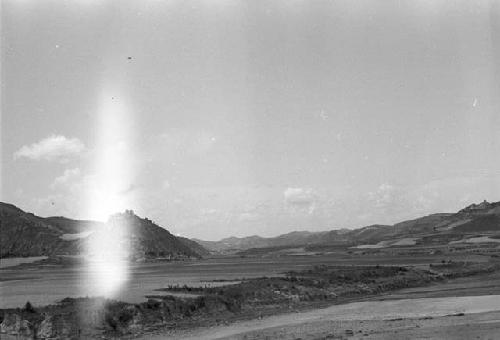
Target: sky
221 118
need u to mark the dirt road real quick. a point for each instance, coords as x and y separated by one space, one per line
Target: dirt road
435 318
465 308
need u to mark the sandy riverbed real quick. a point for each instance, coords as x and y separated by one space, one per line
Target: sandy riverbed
376 319
465 308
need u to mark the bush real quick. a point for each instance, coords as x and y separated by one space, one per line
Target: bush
29 308
125 315
152 304
110 321
119 314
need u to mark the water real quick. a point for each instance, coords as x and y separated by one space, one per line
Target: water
14 261
48 284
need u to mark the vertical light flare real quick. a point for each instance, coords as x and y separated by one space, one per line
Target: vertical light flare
108 248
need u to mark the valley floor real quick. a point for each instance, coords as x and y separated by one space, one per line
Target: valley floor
462 304
462 308
471 326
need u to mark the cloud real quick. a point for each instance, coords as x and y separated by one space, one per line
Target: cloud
208 211
384 196
249 217
66 177
166 184
300 200
299 196
389 203
54 147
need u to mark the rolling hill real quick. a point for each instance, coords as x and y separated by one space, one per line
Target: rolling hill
25 234
482 218
231 244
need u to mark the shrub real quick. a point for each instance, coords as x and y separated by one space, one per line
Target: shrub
29 308
110 321
125 315
152 304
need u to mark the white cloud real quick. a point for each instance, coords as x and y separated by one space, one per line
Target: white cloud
166 184
301 201
208 211
299 196
249 217
54 147
384 195
389 203
66 177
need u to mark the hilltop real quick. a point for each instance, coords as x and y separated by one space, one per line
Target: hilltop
25 234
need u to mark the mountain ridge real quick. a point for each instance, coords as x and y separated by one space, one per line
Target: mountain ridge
482 217
61 235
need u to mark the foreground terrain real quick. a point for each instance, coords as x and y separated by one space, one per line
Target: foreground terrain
454 326
176 309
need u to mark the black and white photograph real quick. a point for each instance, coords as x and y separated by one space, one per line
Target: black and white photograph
249 169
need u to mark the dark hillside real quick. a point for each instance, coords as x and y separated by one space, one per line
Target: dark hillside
195 246
481 223
25 234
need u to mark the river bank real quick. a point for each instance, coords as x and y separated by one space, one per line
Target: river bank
259 298
430 318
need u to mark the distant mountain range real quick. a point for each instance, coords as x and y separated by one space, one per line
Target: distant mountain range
441 227
25 234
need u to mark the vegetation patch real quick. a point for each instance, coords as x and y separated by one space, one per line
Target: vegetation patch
250 298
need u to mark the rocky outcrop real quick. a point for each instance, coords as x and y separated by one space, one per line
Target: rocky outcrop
56 327
484 205
47 329
14 325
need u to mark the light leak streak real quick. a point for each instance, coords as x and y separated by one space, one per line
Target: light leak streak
108 249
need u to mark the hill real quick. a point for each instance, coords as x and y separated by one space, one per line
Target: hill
476 219
25 234
198 248
231 244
